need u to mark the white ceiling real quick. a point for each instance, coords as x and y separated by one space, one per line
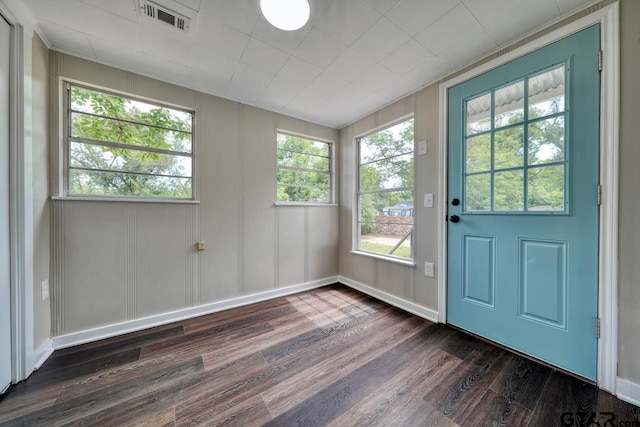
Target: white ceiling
353 57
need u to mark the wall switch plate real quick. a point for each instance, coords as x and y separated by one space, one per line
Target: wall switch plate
202 245
428 269
428 200
45 289
422 147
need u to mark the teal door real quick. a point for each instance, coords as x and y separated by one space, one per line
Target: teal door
523 204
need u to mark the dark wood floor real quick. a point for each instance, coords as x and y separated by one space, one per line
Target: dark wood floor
330 356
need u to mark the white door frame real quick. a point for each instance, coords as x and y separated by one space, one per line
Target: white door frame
608 18
20 203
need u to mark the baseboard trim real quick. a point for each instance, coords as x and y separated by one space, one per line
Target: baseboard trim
628 391
95 334
403 304
42 354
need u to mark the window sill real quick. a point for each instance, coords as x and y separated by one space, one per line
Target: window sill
407 262
302 204
124 199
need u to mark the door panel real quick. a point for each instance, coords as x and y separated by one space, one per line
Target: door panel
5 304
523 160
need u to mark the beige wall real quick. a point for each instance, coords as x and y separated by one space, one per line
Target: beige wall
411 284
629 290
40 161
117 261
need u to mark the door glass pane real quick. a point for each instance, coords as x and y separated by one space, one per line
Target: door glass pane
479 153
546 141
546 188
508 191
509 148
509 104
546 93
478 192
478 114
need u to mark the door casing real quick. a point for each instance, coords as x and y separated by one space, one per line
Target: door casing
608 18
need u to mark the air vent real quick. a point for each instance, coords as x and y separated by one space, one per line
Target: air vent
159 13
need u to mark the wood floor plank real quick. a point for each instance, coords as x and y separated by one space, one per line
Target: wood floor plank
522 380
564 394
326 356
99 349
250 412
458 394
395 329
340 396
493 409
74 409
48 378
403 395
623 413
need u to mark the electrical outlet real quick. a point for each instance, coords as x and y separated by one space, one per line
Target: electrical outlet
45 289
422 147
428 269
202 245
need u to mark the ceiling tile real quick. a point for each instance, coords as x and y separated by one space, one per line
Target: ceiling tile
287 41
299 72
485 11
380 40
60 12
98 23
123 8
239 14
168 71
350 65
407 57
427 72
377 78
571 5
346 21
463 52
212 63
208 83
118 56
248 83
455 26
318 8
413 16
319 49
351 93
191 4
277 94
264 57
221 39
521 19
382 6
67 40
160 43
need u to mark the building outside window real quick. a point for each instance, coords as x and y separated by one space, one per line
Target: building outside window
119 146
385 215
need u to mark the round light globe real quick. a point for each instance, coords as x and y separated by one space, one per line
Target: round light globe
287 15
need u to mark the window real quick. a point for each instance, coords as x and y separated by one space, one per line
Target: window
304 170
515 157
385 191
122 147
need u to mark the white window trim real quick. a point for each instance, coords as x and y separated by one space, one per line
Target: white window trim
355 238
332 172
608 18
63 187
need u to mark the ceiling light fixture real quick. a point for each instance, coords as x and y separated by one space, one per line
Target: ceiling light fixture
287 15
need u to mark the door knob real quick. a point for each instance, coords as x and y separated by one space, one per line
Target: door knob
454 218
455 202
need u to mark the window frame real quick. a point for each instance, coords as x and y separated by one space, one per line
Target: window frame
356 235
330 173
67 139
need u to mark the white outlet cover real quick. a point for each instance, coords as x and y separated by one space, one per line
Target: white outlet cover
45 289
422 147
428 200
428 269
